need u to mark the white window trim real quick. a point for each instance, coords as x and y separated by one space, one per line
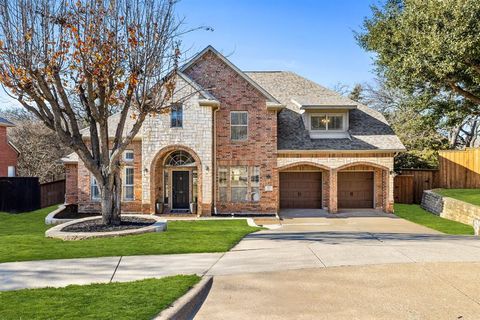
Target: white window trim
128 185
125 155
344 116
92 179
171 115
238 125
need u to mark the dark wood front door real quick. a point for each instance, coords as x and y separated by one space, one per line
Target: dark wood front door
355 190
301 190
180 189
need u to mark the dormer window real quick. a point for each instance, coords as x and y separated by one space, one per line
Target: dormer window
327 122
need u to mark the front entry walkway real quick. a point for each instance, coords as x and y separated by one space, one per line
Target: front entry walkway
299 243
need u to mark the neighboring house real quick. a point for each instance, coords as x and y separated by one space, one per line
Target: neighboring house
8 152
251 142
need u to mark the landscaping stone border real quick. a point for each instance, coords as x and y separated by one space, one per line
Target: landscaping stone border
452 209
56 232
188 305
50 218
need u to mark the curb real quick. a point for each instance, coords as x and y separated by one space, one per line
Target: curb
188 305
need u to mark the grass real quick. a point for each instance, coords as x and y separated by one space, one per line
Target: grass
119 300
414 213
471 196
22 238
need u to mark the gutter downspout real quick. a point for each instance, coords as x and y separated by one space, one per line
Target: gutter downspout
214 161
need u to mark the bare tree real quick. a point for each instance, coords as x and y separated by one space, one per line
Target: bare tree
40 148
67 59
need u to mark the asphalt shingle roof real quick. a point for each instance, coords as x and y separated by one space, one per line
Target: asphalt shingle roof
368 128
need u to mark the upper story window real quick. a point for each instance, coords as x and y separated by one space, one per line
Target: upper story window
128 155
94 190
327 122
239 125
176 116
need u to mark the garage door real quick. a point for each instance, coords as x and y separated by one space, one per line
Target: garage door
355 190
301 190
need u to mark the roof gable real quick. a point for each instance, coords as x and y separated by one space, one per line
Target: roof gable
198 56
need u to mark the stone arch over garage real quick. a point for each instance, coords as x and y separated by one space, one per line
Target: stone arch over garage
348 181
287 175
158 170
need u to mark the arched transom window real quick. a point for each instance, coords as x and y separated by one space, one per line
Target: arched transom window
179 158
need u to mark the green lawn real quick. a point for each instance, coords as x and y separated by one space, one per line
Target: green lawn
414 213
119 300
468 195
22 238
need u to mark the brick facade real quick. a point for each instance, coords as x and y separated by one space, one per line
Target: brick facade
206 136
8 155
85 202
71 183
236 94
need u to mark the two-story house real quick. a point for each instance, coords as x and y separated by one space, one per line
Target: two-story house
250 142
8 152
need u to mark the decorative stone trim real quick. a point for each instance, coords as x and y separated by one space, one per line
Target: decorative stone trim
56 232
451 209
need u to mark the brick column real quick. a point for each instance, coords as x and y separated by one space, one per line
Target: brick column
389 199
333 207
71 183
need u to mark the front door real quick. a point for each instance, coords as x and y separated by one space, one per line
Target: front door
180 190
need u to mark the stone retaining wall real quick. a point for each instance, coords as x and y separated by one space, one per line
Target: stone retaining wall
450 208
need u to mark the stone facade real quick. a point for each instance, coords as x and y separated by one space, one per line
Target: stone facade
195 137
236 94
450 208
8 155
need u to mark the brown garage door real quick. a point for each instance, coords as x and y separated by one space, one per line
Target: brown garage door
355 190
300 189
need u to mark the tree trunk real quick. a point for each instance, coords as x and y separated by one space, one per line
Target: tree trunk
111 201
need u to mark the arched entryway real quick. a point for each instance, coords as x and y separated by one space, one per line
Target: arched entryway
175 181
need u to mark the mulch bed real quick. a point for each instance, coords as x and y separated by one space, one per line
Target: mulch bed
97 225
71 212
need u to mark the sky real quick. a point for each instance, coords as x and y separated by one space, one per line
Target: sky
314 38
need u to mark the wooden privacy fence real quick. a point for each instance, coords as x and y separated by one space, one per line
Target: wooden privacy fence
459 168
410 189
52 193
19 194
403 186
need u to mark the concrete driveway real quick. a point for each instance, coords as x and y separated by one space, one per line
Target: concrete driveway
354 265
393 291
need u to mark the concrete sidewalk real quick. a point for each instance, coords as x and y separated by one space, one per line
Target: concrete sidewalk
258 252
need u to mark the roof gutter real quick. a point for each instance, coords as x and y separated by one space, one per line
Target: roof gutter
274 106
340 151
209 103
